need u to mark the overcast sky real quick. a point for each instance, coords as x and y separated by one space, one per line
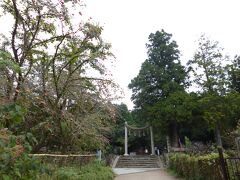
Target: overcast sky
127 24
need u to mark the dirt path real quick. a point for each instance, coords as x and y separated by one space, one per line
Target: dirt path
149 175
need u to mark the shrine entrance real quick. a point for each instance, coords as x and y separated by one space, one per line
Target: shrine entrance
140 131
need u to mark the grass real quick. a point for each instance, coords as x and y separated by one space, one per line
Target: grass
92 171
171 172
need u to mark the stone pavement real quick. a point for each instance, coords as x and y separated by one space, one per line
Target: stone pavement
120 171
142 174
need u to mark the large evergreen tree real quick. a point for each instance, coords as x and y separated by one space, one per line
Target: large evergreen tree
160 76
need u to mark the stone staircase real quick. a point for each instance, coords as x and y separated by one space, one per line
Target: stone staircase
139 161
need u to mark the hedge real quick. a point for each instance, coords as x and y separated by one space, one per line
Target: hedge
194 167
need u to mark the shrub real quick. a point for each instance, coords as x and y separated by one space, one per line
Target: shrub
14 160
194 167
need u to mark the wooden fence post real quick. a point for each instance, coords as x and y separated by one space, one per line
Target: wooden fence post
223 164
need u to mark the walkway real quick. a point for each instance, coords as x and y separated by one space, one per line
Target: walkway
147 175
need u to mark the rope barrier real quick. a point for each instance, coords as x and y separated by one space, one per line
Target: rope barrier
137 128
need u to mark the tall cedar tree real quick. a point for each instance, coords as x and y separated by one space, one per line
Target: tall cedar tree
160 76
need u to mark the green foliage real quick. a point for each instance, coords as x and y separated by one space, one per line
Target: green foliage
92 171
195 167
5 61
161 77
178 105
53 81
220 108
161 97
11 114
122 115
15 163
188 143
208 67
234 74
161 74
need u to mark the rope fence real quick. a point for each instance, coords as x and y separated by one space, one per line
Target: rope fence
65 159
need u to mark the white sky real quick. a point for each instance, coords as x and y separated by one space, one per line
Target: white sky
127 24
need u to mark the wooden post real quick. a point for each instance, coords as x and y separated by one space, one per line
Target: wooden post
99 154
223 164
126 140
152 141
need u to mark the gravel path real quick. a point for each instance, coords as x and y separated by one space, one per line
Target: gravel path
149 175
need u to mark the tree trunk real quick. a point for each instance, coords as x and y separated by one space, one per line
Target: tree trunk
174 134
218 134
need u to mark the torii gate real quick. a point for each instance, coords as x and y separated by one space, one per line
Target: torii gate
138 129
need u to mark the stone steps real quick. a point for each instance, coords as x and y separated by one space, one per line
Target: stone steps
138 161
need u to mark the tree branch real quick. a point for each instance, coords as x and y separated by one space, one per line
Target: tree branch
15 31
53 67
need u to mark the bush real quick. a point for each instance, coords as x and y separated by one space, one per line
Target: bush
194 167
91 171
14 160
